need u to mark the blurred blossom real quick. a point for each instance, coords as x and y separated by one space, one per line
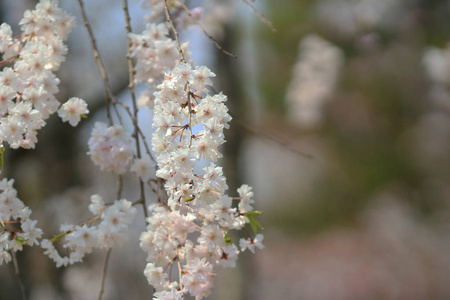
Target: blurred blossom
313 81
437 68
369 41
437 64
351 16
389 255
431 143
82 283
219 13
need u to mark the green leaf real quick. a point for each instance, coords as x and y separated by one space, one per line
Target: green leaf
58 237
2 150
227 239
254 223
188 199
254 213
20 240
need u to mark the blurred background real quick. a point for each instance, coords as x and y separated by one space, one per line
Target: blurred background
341 125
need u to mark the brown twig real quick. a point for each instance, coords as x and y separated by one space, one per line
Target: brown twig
18 275
133 99
130 114
109 94
272 138
105 267
119 186
188 90
206 33
261 16
180 270
175 32
182 59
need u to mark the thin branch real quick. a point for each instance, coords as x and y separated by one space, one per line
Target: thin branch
117 112
119 186
175 32
190 113
206 33
105 267
18 275
133 98
182 59
180 270
261 133
272 138
261 16
109 94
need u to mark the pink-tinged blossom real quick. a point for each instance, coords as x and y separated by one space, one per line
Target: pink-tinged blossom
81 239
251 244
143 168
173 294
72 110
12 209
4 257
110 148
34 55
196 201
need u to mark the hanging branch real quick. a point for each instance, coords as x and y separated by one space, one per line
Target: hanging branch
133 100
98 60
272 138
261 16
206 33
175 32
105 267
18 275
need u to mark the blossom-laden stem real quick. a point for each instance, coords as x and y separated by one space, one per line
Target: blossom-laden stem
206 33
105 267
133 98
190 113
18 275
261 16
182 59
110 98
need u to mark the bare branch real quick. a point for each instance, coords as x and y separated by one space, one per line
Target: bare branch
105 267
261 16
18 275
133 98
175 32
109 94
119 186
206 33
285 144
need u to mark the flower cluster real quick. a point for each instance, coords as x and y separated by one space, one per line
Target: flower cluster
190 227
81 239
16 227
197 202
27 84
313 82
143 168
168 240
175 144
110 148
154 51
176 8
